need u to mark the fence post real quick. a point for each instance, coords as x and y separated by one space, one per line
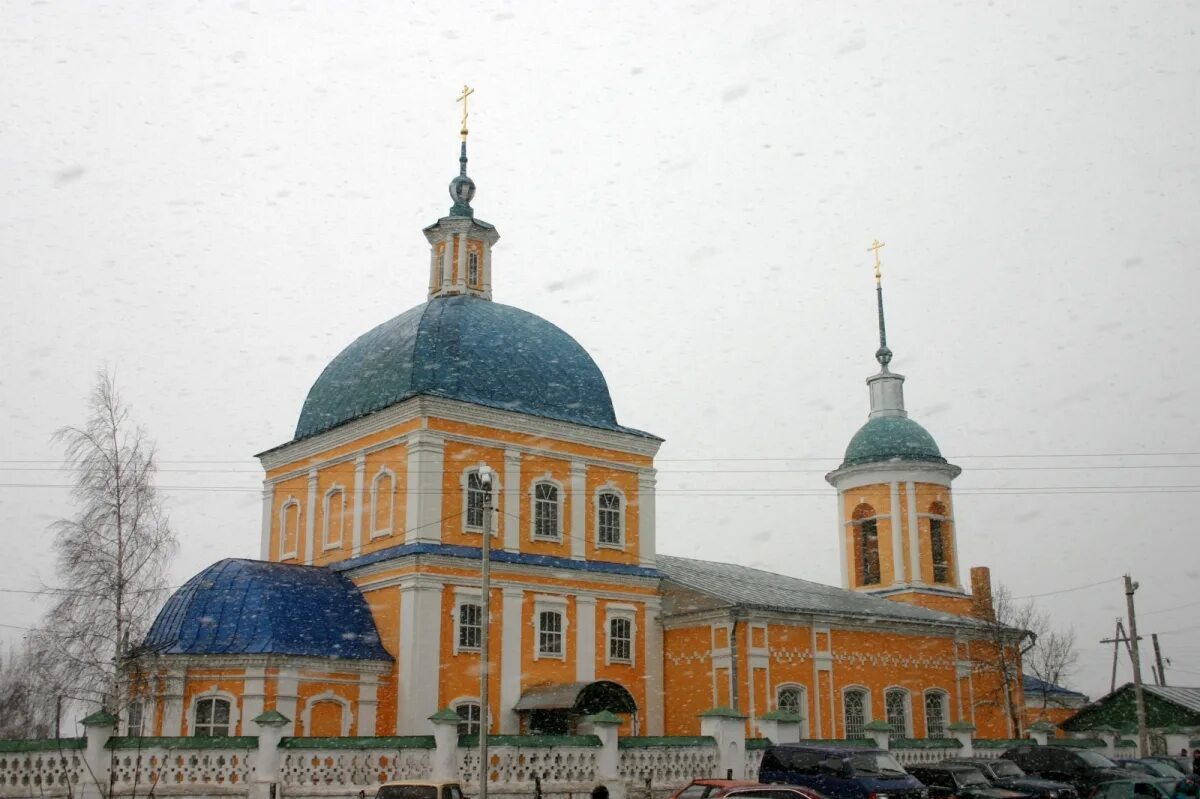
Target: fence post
1177 742
266 769
445 739
964 733
728 728
608 763
1041 731
880 732
1110 736
781 726
100 727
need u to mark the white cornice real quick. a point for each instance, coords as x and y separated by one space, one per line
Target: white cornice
894 471
507 573
456 411
228 661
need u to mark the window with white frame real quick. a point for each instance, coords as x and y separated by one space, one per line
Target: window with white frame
289 528
896 703
476 499
383 502
854 705
620 637
470 714
610 519
334 518
547 510
473 268
470 626
134 720
212 717
935 714
550 633
790 699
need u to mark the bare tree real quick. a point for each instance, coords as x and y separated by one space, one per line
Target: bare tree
26 709
1008 635
112 555
1052 659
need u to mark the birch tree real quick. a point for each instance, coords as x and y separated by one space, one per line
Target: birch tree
112 555
26 708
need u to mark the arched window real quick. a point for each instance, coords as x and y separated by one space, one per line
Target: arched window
469 713
935 714
610 519
896 703
473 268
866 544
289 528
547 510
213 717
854 703
134 719
334 518
383 502
790 698
325 719
937 543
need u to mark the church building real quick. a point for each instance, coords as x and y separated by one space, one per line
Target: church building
463 418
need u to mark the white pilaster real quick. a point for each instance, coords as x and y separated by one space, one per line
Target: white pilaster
423 506
511 635
433 270
579 508
360 470
914 534
172 720
653 653
268 508
420 637
954 573
461 283
447 264
897 534
253 698
512 500
487 271
843 545
310 524
287 699
368 702
646 518
585 638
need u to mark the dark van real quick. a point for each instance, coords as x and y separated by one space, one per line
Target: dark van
847 772
1081 768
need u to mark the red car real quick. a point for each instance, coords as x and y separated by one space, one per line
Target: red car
743 789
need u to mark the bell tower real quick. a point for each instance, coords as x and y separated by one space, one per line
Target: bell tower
897 536
460 256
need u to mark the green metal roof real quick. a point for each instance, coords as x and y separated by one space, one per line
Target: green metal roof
888 438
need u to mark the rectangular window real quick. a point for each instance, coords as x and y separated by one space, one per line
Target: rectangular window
937 545
869 531
212 717
470 715
477 499
620 640
470 626
545 511
608 520
473 268
550 633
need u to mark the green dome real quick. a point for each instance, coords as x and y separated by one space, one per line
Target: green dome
887 438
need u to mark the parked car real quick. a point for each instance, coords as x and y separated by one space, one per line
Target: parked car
840 772
1183 764
419 789
1131 789
742 789
954 781
1151 768
1007 774
1082 768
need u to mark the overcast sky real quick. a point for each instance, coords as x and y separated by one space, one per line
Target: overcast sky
214 199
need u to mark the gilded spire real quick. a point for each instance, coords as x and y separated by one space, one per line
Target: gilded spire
883 354
462 188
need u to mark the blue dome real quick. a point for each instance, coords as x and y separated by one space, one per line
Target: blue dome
464 348
887 438
253 607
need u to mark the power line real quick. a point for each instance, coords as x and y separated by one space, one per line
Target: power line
1069 590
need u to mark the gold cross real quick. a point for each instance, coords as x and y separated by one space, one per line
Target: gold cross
466 92
875 247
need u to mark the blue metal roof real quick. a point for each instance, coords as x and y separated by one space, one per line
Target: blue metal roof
241 606
1036 685
464 348
886 438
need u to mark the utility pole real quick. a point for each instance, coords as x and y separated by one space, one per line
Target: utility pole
1162 674
485 619
1119 637
1130 587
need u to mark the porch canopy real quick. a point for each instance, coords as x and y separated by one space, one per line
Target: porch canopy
582 698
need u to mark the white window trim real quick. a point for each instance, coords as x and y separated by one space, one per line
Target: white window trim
945 695
464 596
867 715
328 696
609 488
326 514
283 509
497 493
555 604
803 689
212 693
908 714
468 700
384 472
549 480
617 611
147 717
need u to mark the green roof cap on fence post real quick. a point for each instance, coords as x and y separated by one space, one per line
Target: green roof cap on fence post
603 717
446 714
1041 726
722 712
271 718
961 726
782 715
877 726
101 718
